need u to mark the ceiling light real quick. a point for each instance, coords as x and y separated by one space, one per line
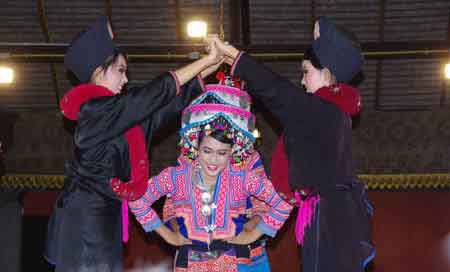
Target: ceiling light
197 29
447 71
6 75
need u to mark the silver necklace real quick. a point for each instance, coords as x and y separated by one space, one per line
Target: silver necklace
207 200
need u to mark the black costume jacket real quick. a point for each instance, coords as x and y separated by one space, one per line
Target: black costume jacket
84 232
317 133
101 150
318 146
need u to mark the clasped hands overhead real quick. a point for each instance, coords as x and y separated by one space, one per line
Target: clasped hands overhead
220 51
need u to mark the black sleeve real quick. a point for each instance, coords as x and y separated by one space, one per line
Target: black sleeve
284 99
105 118
162 116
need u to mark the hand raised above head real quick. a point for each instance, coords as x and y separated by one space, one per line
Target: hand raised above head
229 60
223 47
214 55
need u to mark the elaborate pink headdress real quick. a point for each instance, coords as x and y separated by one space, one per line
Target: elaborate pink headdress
222 106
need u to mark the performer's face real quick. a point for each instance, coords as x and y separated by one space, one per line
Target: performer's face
115 76
313 78
213 157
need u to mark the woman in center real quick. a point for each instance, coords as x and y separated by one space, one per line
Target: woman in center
209 190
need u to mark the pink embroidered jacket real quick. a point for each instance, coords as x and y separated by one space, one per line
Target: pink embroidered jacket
232 190
253 163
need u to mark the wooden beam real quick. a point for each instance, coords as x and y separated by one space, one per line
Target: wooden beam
375 49
178 22
379 64
43 20
445 84
245 21
221 20
235 22
54 52
44 27
108 11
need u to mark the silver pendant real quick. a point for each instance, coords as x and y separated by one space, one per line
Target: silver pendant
206 210
206 197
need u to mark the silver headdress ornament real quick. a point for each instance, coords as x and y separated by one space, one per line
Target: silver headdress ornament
221 107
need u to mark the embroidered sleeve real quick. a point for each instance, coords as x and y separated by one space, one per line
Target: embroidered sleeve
274 218
168 210
259 208
158 186
255 164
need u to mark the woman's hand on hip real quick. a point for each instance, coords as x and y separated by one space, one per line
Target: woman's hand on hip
171 237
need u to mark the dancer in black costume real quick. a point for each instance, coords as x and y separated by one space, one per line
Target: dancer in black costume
334 222
86 228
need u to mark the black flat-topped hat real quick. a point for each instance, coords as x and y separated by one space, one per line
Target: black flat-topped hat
90 50
336 51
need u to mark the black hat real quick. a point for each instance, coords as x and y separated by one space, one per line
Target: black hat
336 51
90 50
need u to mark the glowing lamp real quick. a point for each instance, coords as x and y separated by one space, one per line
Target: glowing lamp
6 75
447 71
196 29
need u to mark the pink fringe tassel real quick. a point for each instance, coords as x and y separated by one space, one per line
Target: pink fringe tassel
306 211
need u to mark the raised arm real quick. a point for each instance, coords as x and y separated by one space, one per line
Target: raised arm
102 119
190 90
108 117
288 102
168 112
